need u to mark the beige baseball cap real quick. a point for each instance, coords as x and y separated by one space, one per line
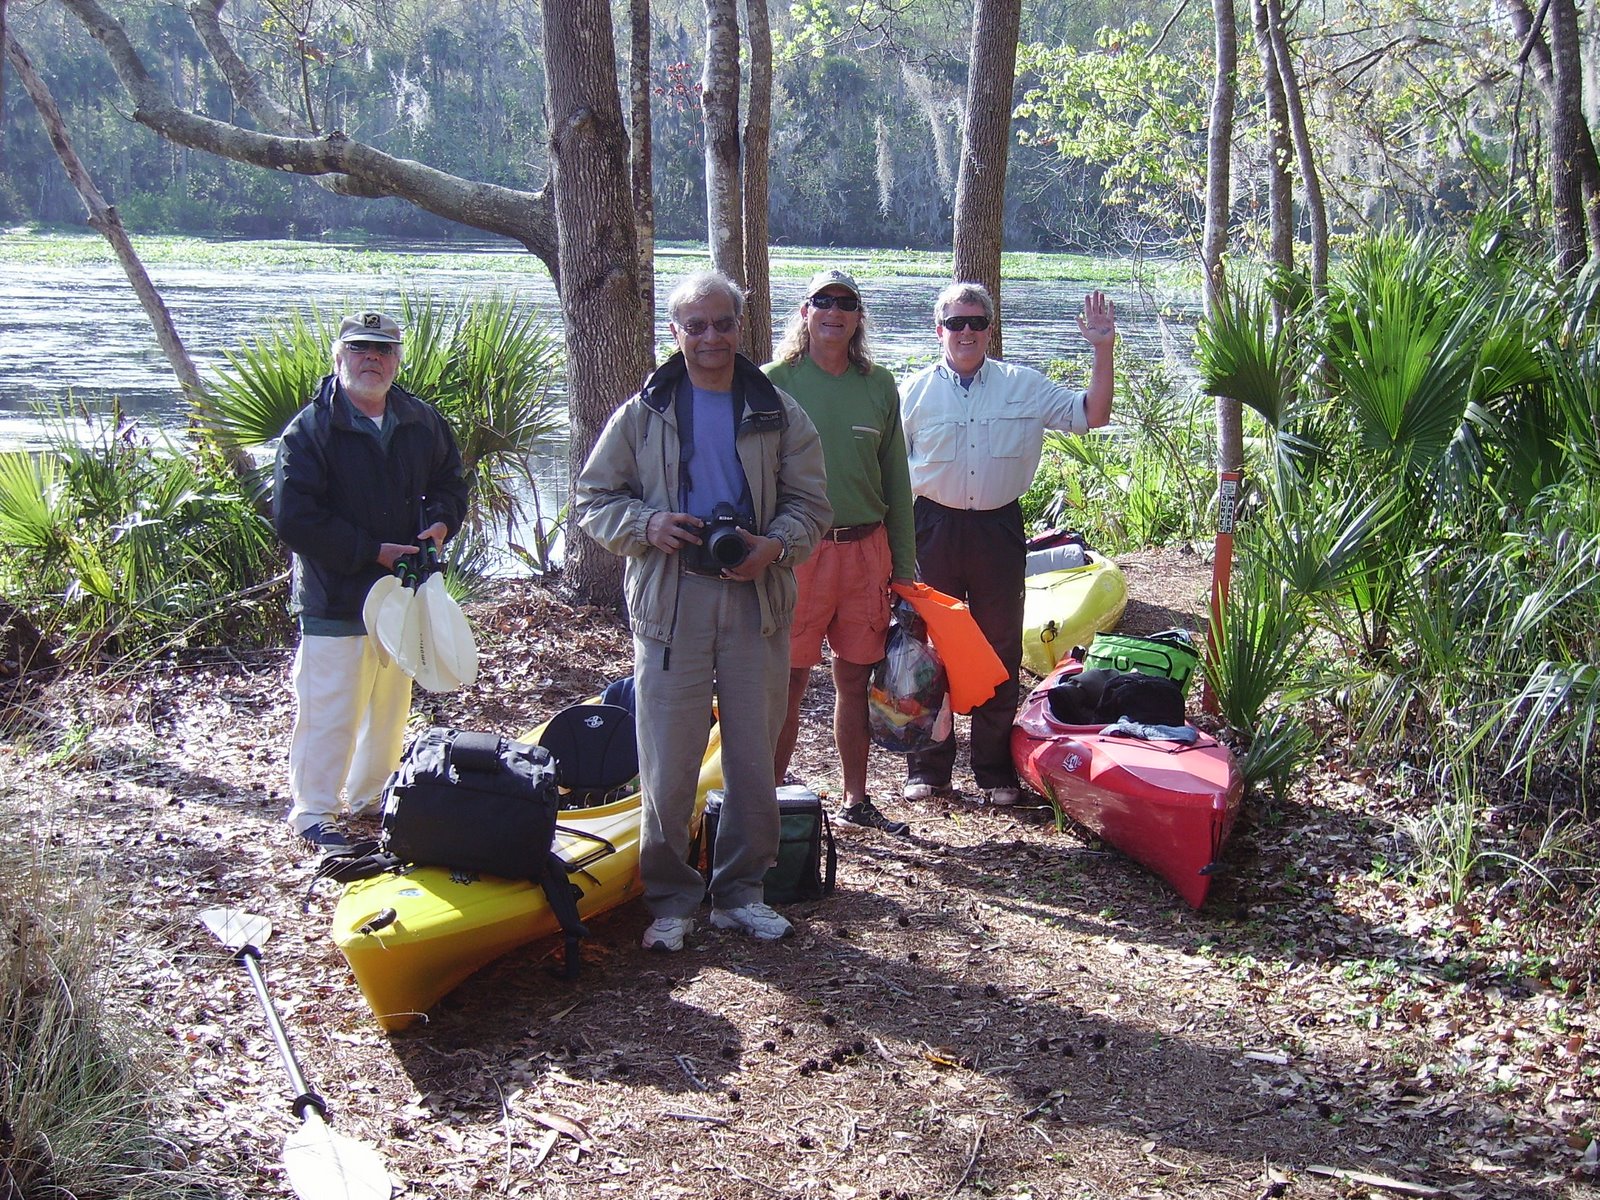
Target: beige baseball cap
833 278
369 327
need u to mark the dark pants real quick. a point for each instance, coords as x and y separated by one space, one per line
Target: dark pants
979 557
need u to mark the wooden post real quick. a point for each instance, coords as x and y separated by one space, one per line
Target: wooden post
1221 569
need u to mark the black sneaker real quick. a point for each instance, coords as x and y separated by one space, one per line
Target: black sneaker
867 816
328 838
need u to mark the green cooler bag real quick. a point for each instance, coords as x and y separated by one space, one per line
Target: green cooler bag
1170 653
807 859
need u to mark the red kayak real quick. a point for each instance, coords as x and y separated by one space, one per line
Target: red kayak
1166 805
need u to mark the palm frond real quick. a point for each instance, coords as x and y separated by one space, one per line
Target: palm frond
1243 355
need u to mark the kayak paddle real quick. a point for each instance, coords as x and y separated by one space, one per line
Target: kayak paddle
321 1163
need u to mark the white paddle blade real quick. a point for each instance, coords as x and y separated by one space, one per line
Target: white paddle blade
325 1165
454 647
235 928
446 660
393 627
379 592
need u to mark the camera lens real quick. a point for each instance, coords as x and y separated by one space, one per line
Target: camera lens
726 547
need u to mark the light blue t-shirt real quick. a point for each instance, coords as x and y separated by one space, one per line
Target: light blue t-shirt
711 470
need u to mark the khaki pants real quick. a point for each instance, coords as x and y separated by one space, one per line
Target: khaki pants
716 650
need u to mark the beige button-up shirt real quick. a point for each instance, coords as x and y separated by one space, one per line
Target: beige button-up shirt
978 447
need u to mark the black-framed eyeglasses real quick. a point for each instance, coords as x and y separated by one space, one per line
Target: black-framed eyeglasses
956 324
696 328
842 303
384 349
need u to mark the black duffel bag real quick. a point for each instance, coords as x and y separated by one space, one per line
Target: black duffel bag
478 802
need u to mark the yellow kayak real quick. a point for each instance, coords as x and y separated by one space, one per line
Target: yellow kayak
442 930
1063 609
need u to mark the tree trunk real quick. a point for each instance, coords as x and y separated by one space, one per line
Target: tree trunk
104 218
607 328
1280 188
644 203
757 144
986 141
719 103
1214 244
1571 147
1583 160
2 86
1311 178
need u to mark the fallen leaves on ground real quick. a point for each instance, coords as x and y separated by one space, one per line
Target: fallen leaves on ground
988 1008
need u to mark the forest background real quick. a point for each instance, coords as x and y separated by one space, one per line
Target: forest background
1406 197
1416 109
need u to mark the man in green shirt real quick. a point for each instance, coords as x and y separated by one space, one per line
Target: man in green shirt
844 587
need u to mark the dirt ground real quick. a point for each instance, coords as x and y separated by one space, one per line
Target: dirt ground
991 1007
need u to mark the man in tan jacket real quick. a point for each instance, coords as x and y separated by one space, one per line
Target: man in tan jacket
711 483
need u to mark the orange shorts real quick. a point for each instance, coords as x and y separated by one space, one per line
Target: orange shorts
844 595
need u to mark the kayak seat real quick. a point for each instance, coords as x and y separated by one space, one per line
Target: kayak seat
596 753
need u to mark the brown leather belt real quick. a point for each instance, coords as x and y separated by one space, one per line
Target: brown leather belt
852 533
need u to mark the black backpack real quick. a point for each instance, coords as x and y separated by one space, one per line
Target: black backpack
482 803
1100 696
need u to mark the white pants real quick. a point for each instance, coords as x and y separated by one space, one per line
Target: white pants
349 727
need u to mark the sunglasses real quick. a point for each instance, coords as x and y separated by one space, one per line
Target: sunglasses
383 349
842 303
721 325
957 324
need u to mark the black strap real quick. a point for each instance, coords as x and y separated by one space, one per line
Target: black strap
476 751
832 856
362 860
562 895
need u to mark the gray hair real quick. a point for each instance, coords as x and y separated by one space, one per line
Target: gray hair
964 293
701 286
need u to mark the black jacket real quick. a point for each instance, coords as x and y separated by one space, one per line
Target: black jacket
339 495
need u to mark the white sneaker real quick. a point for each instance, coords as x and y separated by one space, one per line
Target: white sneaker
758 920
666 934
919 791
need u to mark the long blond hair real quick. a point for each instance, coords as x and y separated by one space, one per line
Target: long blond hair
796 343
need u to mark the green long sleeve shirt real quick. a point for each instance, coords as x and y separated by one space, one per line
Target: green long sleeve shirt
864 446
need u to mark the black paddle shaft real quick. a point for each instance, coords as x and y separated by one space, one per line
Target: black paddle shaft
304 1098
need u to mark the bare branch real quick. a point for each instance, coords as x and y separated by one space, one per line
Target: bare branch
244 83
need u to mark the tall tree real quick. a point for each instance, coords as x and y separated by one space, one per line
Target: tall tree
1574 163
986 143
608 330
640 117
1310 177
757 145
1280 188
1571 146
1219 173
719 104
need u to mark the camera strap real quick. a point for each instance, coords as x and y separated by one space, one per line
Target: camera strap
685 403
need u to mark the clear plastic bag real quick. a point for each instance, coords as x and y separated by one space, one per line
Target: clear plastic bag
908 702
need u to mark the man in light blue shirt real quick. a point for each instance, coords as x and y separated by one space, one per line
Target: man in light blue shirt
975 429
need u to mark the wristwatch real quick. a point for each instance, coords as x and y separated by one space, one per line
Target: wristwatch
783 555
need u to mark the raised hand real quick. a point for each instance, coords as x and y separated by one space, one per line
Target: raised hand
1098 321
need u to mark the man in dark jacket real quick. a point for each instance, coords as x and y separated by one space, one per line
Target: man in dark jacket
365 474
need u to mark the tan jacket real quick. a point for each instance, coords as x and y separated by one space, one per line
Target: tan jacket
633 474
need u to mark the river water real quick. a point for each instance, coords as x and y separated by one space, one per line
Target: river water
78 333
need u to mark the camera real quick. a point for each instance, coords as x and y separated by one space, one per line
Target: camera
722 547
